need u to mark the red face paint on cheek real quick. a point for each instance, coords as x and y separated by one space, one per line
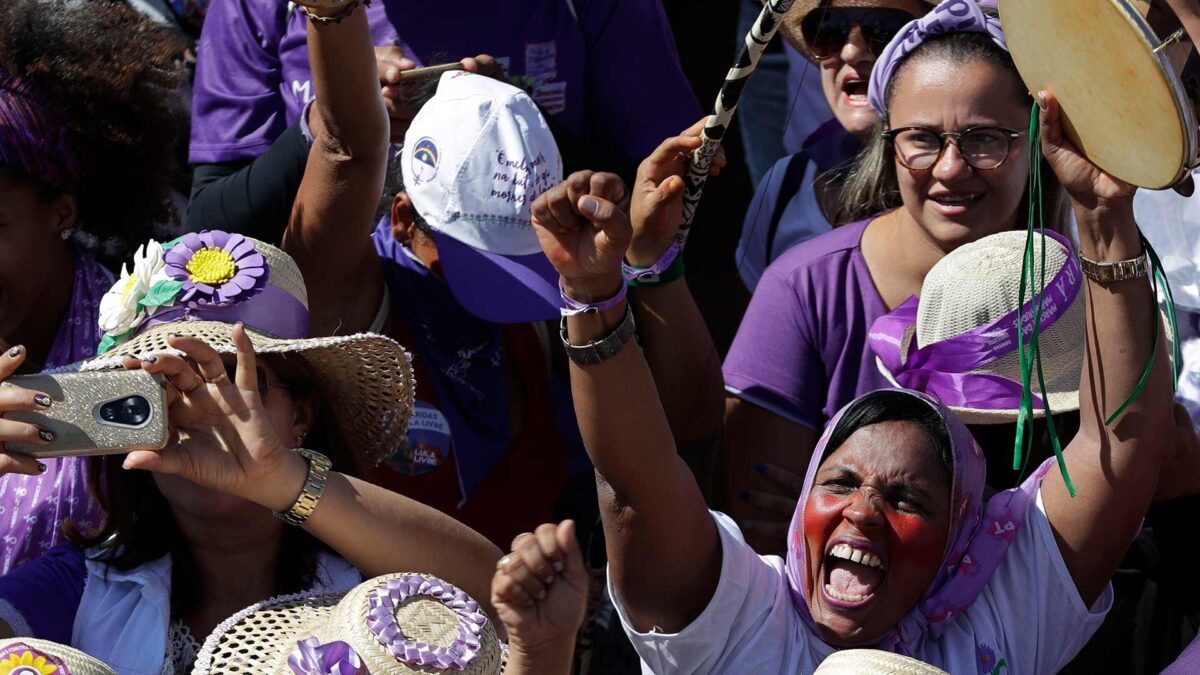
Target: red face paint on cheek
822 514
915 540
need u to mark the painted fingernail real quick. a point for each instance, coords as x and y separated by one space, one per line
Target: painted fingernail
1041 99
590 205
42 400
558 567
149 359
46 435
41 468
744 495
760 467
15 351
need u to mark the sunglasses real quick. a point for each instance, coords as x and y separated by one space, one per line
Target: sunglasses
827 29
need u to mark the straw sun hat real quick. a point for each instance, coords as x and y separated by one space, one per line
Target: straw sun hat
398 624
791 28
873 662
27 656
975 286
202 284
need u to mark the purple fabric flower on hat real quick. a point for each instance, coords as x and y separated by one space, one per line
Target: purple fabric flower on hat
334 658
216 268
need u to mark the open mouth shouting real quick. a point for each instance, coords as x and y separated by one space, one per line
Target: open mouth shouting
854 90
854 571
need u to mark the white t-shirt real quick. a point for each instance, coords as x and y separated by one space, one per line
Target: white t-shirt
1029 615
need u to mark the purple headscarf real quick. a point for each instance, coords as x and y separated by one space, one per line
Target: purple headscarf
33 139
978 539
950 16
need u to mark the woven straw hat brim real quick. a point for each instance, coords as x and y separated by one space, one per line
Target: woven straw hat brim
78 662
802 7
873 662
260 638
366 379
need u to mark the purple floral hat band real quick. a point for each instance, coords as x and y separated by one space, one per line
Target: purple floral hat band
33 139
942 369
950 16
210 276
224 278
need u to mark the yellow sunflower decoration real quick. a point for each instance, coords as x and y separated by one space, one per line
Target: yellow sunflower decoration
28 662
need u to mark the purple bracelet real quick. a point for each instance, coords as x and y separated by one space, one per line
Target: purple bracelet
668 257
572 307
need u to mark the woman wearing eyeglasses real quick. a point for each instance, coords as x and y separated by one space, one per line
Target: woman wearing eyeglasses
945 164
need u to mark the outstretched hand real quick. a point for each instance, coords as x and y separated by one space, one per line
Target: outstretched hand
221 436
1089 186
656 207
584 233
540 590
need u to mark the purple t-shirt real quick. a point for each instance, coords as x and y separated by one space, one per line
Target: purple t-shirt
801 351
40 599
606 70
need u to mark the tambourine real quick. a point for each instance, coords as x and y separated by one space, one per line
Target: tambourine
1128 96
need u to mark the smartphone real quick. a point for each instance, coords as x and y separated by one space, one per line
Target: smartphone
95 413
429 71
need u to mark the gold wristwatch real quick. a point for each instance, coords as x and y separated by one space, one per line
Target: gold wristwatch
314 486
1110 272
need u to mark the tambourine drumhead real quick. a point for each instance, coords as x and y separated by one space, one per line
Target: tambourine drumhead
1123 104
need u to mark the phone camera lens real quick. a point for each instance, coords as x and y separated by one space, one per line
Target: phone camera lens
132 411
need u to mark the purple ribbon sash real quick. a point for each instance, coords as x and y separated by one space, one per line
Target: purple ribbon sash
271 311
942 369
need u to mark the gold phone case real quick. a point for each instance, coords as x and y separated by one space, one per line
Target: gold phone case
90 413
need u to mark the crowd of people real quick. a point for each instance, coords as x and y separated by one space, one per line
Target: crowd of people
500 433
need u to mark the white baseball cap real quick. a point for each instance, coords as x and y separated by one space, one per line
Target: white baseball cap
475 158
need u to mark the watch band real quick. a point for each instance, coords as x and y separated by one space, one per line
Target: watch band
601 350
1109 272
314 486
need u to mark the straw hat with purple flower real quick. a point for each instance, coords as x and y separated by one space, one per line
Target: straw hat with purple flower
203 284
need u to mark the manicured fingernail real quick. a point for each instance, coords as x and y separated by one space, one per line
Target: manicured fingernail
46 435
760 467
590 205
149 359
41 468
558 567
1041 99
744 495
42 400
15 351
392 74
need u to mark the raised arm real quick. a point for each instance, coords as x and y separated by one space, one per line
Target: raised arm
1114 467
329 233
663 548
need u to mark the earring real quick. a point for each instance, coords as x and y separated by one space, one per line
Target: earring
66 233
299 441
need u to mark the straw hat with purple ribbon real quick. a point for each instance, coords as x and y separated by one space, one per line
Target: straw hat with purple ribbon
203 284
398 624
27 656
958 341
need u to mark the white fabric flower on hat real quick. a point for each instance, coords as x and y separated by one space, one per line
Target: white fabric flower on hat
121 309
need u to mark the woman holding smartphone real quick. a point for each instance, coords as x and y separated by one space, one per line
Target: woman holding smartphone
189 537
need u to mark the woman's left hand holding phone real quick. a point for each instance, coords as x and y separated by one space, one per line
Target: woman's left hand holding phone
221 436
13 399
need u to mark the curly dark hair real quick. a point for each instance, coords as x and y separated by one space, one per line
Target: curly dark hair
114 77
